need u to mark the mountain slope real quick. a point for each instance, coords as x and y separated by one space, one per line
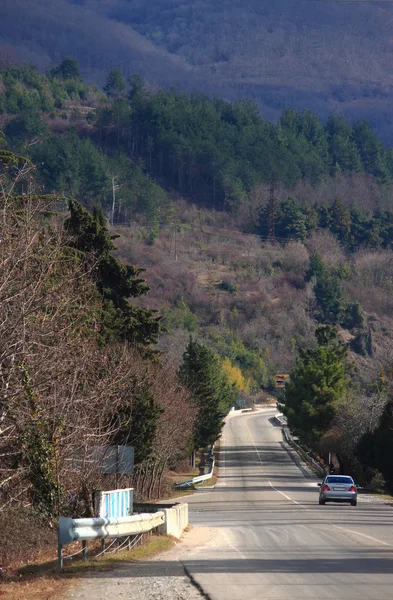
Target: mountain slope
329 56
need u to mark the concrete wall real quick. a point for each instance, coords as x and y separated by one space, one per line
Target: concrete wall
176 520
176 517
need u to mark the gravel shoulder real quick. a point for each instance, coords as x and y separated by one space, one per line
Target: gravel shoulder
160 578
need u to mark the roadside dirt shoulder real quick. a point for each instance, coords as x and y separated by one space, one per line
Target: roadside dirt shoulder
160 578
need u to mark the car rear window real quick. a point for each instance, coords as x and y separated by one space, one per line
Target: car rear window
339 480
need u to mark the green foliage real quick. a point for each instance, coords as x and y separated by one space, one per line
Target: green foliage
208 149
360 344
39 453
343 153
116 282
340 220
71 165
180 317
26 128
316 267
316 382
329 297
375 449
135 419
353 316
202 373
115 83
250 361
8 158
331 307
292 221
68 69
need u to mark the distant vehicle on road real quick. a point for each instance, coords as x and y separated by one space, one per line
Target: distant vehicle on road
338 488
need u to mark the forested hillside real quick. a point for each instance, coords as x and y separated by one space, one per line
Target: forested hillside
267 249
214 152
328 56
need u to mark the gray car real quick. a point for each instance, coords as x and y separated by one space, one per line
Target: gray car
338 488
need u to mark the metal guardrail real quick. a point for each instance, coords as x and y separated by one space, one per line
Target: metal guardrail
71 530
306 457
188 483
282 421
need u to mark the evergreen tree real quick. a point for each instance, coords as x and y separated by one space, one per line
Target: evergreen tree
375 449
353 316
68 69
316 266
360 228
316 382
116 283
371 150
8 158
328 294
340 221
202 373
344 155
115 83
380 231
135 419
291 221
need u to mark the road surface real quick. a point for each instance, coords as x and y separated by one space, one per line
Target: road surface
272 541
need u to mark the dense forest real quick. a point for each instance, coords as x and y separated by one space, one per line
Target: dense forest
152 241
327 56
211 151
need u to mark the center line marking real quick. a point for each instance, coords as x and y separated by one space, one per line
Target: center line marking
306 507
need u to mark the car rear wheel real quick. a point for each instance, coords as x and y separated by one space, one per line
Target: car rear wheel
354 502
322 502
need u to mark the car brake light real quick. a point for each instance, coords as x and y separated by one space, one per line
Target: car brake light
326 488
352 489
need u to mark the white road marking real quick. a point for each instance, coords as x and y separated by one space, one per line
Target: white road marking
306 507
369 537
261 463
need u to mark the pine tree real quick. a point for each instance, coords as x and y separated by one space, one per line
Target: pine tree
316 382
201 372
68 69
8 158
316 266
135 419
340 220
329 296
115 281
115 83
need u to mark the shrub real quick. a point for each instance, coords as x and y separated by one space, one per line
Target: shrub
377 482
26 534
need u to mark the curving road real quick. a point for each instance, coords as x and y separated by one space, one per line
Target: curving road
271 538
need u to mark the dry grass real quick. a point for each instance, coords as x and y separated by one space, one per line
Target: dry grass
41 588
41 581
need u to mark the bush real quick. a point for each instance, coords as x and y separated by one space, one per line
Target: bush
377 483
228 286
26 534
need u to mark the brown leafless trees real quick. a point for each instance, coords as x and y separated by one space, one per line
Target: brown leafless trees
58 387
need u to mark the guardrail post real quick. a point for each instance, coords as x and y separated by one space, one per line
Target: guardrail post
60 556
84 551
71 530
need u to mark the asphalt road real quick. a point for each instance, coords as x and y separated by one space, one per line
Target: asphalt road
271 538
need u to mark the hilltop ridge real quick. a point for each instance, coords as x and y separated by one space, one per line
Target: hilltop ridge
330 57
